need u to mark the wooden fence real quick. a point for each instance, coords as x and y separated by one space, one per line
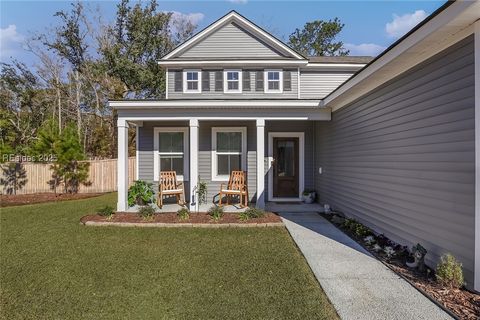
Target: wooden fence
102 175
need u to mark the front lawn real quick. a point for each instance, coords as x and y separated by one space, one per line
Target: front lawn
52 267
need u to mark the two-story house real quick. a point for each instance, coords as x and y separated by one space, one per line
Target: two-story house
393 142
237 98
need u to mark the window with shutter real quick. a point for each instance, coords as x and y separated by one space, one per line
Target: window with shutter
205 80
219 80
178 81
246 81
259 81
287 80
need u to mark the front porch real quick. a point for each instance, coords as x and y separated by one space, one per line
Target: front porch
277 207
275 152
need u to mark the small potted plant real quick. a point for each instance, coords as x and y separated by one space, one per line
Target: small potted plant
308 196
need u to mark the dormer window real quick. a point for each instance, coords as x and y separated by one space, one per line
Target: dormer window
273 81
232 81
191 81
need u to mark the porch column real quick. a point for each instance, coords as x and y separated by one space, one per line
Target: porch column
261 163
193 163
122 165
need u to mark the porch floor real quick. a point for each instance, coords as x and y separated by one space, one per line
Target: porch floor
293 207
279 207
173 207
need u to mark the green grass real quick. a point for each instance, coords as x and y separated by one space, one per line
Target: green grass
52 267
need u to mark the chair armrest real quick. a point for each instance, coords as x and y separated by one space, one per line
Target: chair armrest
180 184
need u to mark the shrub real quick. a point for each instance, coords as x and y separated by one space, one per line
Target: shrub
362 231
350 223
141 193
106 211
251 213
216 213
146 212
449 271
183 214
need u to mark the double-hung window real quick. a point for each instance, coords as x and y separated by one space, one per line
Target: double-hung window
232 81
170 151
273 81
229 151
191 81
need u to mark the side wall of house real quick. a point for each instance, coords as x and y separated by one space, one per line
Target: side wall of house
317 85
401 159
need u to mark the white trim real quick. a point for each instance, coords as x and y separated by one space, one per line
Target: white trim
301 164
166 83
312 66
232 16
260 123
476 285
215 130
199 81
273 103
280 81
448 27
225 81
232 63
156 153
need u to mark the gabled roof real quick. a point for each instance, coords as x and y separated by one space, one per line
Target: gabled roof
237 19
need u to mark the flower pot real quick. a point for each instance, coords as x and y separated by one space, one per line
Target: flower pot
309 198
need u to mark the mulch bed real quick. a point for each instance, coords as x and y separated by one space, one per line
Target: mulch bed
24 199
172 217
462 303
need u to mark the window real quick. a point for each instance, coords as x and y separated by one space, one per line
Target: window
273 81
170 151
191 81
232 81
229 151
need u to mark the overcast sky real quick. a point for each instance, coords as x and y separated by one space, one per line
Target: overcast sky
370 26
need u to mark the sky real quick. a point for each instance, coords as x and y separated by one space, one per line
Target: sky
370 26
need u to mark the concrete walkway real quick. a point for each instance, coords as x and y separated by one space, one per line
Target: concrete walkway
358 285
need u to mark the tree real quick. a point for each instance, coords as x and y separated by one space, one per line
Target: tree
317 38
67 149
132 47
69 163
14 177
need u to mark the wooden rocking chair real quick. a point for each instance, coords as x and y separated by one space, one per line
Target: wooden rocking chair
168 186
237 186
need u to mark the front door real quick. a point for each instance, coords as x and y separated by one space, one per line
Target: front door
285 167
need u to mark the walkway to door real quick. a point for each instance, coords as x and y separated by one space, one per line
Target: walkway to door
358 285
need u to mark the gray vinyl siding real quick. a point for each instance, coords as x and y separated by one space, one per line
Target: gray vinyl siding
145 150
252 94
307 127
401 159
318 84
231 41
205 156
